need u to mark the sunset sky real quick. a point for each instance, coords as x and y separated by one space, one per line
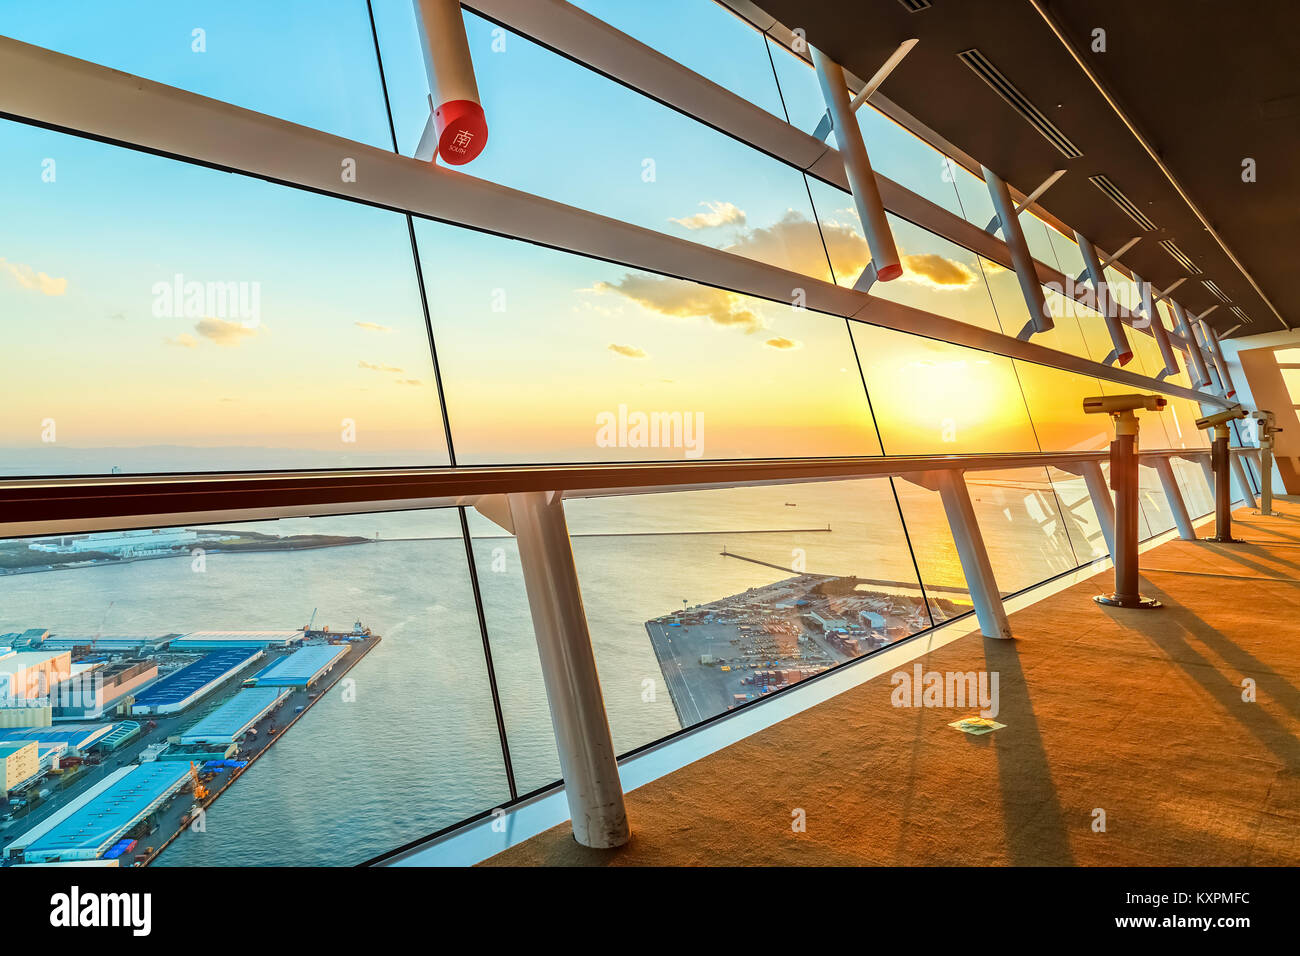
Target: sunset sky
533 343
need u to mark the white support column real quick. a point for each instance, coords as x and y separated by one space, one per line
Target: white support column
974 556
587 758
1123 352
1040 319
1243 483
1157 328
1202 375
1174 495
1102 502
1220 363
884 263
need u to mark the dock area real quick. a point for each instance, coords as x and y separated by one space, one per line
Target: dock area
723 654
126 789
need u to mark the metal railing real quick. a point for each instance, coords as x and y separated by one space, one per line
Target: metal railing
528 502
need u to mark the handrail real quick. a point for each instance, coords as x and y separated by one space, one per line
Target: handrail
34 506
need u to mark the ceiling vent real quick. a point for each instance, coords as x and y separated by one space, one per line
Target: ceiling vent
1215 290
991 75
1179 256
1241 314
915 6
1119 199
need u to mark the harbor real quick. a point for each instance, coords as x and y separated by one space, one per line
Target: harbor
717 656
120 791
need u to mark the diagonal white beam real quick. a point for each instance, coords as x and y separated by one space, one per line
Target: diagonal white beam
996 222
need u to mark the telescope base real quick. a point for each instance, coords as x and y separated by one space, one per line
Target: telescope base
1114 600
1220 540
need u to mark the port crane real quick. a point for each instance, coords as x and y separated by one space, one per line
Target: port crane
200 791
313 619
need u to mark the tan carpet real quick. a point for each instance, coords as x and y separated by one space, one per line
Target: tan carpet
1137 713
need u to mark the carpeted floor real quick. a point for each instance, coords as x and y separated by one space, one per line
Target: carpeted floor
1137 714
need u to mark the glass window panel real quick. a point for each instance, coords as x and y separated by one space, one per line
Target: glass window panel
1144 527
1068 257
973 192
333 785
1123 288
800 91
1197 495
638 160
702 36
932 397
548 356
1018 517
938 276
679 586
168 317
1055 400
1152 501
1036 236
287 58
1008 299
524 706
898 154
1079 516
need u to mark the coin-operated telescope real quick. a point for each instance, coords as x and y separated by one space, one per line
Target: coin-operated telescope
1123 411
1221 463
1266 428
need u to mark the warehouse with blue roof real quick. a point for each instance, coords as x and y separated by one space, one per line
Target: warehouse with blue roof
233 719
303 667
77 737
92 828
186 686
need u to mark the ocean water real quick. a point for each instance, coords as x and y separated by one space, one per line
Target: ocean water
418 748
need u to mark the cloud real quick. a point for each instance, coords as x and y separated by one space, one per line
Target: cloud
379 367
793 242
184 340
719 214
224 332
781 342
679 299
409 381
29 278
928 268
628 351
372 326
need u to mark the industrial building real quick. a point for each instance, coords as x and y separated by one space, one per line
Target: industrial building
79 738
232 719
133 644
85 829
94 688
225 640
19 762
135 543
185 687
22 640
28 676
302 668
